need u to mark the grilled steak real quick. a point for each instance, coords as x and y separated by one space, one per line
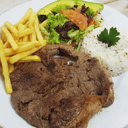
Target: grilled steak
58 93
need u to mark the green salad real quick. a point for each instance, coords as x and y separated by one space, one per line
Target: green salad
68 23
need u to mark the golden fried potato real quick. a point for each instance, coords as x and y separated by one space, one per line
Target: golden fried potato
22 27
25 17
26 24
23 48
11 28
32 36
22 55
4 39
9 38
20 40
19 25
17 40
30 59
38 33
37 21
25 38
31 21
22 43
25 32
11 68
5 69
6 44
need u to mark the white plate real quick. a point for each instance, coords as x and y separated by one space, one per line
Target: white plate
115 116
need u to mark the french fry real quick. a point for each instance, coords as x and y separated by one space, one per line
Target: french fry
31 26
32 20
25 17
6 44
30 59
21 39
25 32
9 52
17 40
25 38
22 27
26 24
37 21
9 38
7 58
5 69
11 68
26 47
19 25
38 33
22 43
4 39
33 36
22 55
39 43
15 37
11 28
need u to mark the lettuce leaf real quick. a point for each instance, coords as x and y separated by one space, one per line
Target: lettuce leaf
44 30
55 20
53 38
77 35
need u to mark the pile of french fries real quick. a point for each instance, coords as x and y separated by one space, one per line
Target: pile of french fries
17 44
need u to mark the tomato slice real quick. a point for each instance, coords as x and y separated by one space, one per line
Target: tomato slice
76 17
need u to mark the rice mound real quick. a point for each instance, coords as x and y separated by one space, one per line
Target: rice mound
114 58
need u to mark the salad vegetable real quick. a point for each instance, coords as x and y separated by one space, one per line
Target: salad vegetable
68 24
76 17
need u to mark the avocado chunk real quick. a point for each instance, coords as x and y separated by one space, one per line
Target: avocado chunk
93 7
49 8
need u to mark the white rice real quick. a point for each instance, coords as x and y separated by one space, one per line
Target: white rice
115 58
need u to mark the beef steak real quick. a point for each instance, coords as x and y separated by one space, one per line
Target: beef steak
58 93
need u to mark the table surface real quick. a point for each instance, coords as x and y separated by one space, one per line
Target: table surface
120 5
